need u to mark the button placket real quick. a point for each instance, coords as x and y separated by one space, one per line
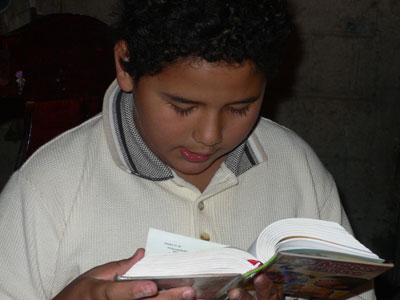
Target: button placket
204 233
204 221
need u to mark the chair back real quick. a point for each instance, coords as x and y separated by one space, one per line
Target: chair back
57 56
46 119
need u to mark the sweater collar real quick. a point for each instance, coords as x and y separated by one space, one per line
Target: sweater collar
131 153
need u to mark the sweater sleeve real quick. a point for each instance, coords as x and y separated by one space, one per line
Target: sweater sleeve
29 235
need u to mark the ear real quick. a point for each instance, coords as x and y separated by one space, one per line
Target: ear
125 81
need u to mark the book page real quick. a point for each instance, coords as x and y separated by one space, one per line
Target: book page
206 261
304 245
312 230
253 248
159 241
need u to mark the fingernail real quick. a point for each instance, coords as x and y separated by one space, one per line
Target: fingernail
147 290
188 295
260 280
234 294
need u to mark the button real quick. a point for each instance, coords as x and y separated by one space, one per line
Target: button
205 236
201 205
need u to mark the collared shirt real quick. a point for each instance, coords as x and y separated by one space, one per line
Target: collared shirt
80 201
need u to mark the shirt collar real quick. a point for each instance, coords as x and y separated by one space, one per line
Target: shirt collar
131 153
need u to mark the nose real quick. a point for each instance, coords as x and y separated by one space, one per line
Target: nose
208 130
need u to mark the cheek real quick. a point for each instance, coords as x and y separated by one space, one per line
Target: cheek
234 136
238 129
164 129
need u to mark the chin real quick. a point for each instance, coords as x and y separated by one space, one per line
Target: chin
192 171
193 168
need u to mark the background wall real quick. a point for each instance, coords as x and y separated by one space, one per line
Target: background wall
18 11
344 99
340 90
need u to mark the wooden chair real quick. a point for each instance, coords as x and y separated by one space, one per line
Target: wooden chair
60 56
66 63
46 119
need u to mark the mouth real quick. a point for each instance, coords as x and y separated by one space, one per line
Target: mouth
194 157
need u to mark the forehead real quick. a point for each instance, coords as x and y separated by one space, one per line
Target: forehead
200 66
196 76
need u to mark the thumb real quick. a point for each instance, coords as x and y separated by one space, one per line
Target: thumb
109 270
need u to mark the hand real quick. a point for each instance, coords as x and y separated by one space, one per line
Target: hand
264 290
98 283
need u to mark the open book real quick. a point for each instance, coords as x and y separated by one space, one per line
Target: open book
307 258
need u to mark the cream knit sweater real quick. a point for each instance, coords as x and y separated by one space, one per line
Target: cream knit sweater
72 207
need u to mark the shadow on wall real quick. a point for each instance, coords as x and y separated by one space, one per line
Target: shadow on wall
385 242
387 246
280 87
388 285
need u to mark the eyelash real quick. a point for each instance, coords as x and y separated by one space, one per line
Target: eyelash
241 111
182 111
186 111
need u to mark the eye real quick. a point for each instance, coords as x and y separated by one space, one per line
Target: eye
242 111
180 110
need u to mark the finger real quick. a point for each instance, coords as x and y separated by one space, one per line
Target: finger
92 288
239 294
123 290
109 270
265 289
180 293
144 289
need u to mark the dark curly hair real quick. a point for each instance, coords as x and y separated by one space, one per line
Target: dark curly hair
160 32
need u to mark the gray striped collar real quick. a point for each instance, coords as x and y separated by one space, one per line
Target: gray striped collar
131 153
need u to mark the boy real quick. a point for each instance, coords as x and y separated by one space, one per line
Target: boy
179 147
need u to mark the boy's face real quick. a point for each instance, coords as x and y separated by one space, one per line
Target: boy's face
193 113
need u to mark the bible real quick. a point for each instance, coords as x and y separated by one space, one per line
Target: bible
306 258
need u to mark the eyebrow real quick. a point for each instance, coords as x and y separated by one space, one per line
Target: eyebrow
188 101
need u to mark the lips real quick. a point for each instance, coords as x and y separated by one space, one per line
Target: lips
194 157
